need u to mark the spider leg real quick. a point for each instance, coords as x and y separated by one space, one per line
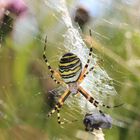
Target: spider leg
88 60
89 56
91 69
59 105
54 79
58 117
85 67
91 99
95 102
86 73
54 73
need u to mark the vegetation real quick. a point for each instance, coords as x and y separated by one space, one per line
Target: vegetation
25 80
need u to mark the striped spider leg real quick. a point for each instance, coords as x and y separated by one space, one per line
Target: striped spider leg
59 105
85 93
54 74
83 74
91 99
95 102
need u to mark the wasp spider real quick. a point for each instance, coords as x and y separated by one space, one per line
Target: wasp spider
72 74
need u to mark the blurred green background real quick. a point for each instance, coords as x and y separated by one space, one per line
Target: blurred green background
25 80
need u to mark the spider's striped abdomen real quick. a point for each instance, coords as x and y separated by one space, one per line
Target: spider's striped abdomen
70 67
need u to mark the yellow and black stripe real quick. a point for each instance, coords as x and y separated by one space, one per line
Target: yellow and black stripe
70 68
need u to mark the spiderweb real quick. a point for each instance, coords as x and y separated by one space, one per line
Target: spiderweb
97 83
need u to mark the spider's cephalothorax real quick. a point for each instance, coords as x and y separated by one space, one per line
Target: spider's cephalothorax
70 68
